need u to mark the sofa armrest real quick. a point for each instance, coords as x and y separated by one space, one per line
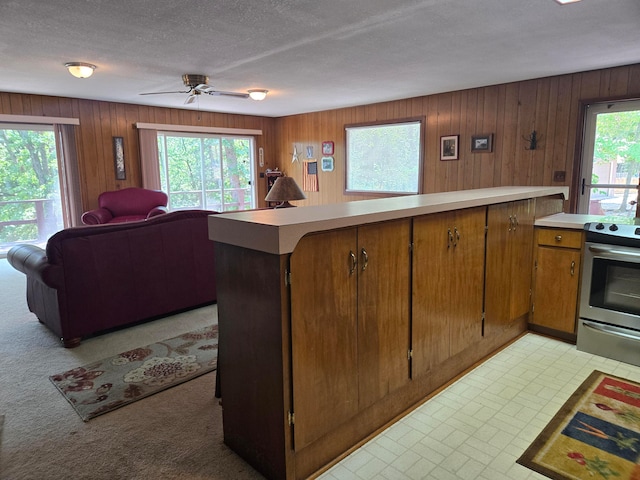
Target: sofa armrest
97 216
157 211
32 261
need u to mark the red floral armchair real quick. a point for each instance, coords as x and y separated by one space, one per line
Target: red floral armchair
127 205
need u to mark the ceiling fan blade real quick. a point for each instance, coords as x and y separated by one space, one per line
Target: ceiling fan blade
203 87
190 99
162 93
219 93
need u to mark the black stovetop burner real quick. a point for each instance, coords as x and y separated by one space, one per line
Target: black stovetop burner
613 234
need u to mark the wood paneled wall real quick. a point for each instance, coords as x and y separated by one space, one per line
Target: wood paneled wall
101 121
550 106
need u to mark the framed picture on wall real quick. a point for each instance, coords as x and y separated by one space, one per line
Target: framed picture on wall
327 164
118 158
327 148
482 143
449 147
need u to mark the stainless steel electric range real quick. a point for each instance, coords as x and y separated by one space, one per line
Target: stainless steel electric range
609 311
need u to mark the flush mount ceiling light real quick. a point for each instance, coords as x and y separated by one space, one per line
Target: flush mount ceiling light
258 94
564 2
80 69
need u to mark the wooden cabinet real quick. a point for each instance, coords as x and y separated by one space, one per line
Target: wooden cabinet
350 323
448 259
509 254
556 279
316 327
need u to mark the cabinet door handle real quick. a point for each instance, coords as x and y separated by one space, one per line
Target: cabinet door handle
457 237
510 222
354 262
365 259
450 239
573 268
558 238
515 222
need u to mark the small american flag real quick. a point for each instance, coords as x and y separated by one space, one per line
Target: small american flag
310 176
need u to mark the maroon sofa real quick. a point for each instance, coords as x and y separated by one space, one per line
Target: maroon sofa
94 278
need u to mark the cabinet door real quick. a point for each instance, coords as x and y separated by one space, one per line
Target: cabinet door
383 308
556 291
509 260
467 279
521 258
431 292
323 333
448 285
498 269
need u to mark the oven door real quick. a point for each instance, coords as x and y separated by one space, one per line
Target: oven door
611 285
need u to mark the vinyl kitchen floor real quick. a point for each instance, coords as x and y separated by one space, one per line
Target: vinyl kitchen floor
477 427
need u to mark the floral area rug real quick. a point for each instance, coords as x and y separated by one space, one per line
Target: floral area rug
595 435
105 385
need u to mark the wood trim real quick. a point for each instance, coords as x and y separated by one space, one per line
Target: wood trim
40 120
194 129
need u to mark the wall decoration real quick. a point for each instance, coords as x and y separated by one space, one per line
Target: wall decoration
310 176
327 148
449 147
294 155
533 140
482 143
309 151
327 164
118 158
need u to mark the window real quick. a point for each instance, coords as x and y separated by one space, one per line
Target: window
385 158
206 171
611 159
30 201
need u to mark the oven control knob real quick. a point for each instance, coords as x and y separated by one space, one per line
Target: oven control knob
600 226
613 227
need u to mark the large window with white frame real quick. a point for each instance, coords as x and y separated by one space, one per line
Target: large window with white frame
385 158
207 171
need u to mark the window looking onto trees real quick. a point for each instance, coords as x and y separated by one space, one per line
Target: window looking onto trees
30 203
205 171
384 158
611 159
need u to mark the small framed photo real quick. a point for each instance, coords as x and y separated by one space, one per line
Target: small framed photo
327 164
449 147
309 151
327 148
482 143
118 158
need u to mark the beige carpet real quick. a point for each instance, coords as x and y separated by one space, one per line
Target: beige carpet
175 434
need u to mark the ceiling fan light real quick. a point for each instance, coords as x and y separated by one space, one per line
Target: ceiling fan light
80 69
258 94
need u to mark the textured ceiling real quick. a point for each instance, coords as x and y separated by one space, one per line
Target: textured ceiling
310 54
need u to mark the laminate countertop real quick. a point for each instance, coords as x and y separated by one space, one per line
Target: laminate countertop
278 231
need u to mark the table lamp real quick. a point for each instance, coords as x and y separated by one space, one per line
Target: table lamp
283 190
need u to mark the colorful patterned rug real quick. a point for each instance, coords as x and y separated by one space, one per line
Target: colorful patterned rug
595 435
103 386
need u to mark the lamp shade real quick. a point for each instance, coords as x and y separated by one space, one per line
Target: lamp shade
283 190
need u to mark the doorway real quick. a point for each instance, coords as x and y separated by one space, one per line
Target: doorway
611 159
30 200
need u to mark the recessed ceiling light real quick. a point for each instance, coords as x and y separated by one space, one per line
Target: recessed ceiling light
564 2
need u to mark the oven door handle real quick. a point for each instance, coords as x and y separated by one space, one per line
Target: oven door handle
610 330
613 251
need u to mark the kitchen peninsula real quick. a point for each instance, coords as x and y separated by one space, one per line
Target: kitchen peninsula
335 320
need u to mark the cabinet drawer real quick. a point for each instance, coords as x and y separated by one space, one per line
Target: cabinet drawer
560 238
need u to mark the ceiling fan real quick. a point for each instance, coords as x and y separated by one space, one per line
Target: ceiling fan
198 85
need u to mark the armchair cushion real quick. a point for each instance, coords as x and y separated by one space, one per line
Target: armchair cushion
127 205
